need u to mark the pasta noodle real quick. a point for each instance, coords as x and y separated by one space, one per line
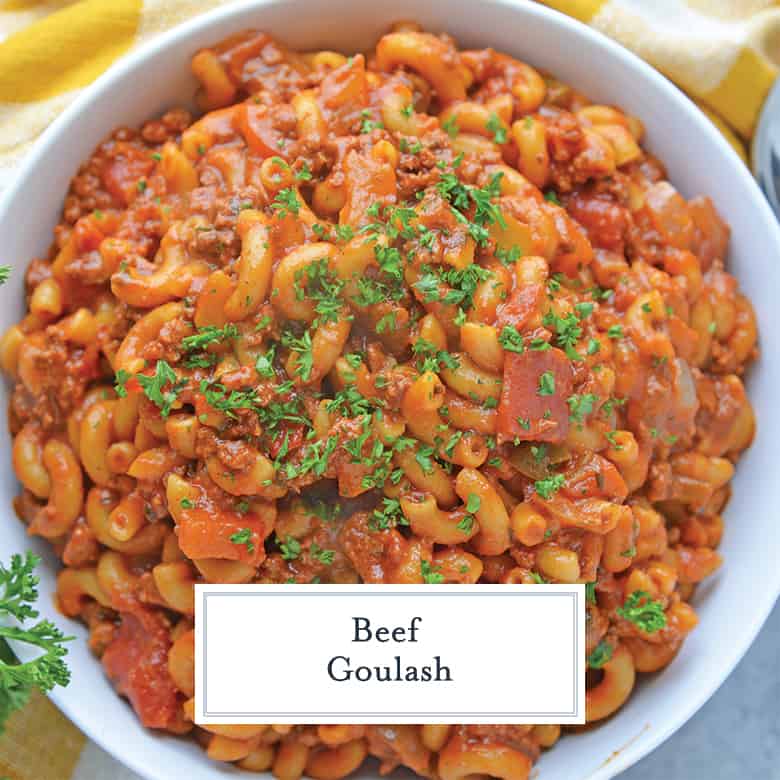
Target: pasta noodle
422 315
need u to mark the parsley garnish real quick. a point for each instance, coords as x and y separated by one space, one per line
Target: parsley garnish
580 406
643 612
389 516
567 332
290 547
218 397
450 126
120 380
590 592
209 335
460 196
321 555
423 457
286 202
244 536
600 655
547 383
431 574
431 359
303 173
496 126
510 339
303 347
546 488
17 680
154 387
508 257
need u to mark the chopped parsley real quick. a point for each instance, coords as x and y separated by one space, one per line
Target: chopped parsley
567 332
369 124
496 126
218 398
429 358
590 592
462 196
643 612
462 284
162 387
547 383
321 555
510 339
431 574
120 382
600 655
423 456
580 406
286 202
303 173
243 536
211 334
302 346
387 516
264 363
450 126
509 256
546 488
290 548
319 284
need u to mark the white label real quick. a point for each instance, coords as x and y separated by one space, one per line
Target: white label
390 654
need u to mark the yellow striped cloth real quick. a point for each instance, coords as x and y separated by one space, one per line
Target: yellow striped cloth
724 53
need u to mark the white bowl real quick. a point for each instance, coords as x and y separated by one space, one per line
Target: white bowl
732 606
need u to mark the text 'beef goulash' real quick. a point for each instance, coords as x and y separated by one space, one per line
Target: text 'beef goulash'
341 668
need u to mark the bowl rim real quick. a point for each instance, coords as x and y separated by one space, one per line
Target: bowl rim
135 60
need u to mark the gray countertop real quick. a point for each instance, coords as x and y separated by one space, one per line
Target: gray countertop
736 735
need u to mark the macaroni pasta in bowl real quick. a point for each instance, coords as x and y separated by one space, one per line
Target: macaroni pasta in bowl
416 316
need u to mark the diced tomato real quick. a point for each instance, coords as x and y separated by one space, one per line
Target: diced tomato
122 173
711 236
522 412
368 181
136 661
204 534
522 304
574 249
255 123
596 477
666 213
132 385
605 221
87 235
343 94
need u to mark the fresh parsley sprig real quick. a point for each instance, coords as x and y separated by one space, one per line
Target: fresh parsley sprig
18 592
